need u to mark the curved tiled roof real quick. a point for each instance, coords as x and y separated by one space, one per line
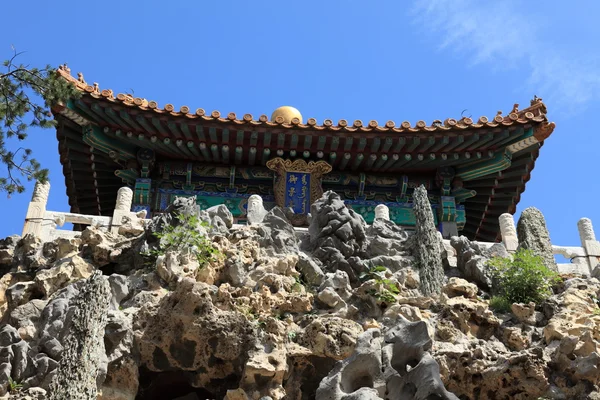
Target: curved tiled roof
536 113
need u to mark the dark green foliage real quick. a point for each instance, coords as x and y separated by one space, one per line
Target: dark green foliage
26 95
500 304
524 279
386 289
185 238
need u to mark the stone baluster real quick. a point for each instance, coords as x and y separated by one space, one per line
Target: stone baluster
382 211
508 232
589 242
122 208
37 209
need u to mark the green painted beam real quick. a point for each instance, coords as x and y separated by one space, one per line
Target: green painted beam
100 111
483 168
200 133
381 161
192 147
519 134
474 138
401 143
186 131
403 159
292 153
212 134
181 145
82 109
306 154
428 144
321 142
252 155
224 135
459 140
158 126
253 138
371 160
281 140
239 140
482 143
204 151
357 161
115 117
225 153
442 142
414 143
375 145
498 137
348 144
332 158
390 161
362 142
214 151
174 130
344 161
307 142
239 152
294 141
266 155
387 144
335 142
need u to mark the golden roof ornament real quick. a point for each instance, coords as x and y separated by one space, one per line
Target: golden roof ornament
287 114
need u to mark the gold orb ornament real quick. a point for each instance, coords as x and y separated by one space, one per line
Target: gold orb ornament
287 113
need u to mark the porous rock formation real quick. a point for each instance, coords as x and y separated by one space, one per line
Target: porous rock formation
281 314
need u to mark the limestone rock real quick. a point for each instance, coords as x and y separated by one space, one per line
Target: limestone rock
63 272
460 287
332 337
427 248
533 235
394 365
472 260
79 367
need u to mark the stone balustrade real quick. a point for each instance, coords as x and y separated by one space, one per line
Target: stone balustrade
44 224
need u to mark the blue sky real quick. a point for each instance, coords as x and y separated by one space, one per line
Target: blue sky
382 60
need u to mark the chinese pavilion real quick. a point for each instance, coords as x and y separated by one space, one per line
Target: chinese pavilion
474 170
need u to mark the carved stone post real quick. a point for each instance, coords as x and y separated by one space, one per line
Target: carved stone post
122 208
508 232
589 242
382 211
37 209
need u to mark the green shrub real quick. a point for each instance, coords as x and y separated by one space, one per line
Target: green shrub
523 279
13 386
500 304
387 289
185 238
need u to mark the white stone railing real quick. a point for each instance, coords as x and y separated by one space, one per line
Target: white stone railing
45 224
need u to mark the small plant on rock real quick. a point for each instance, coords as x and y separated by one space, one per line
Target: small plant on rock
523 279
13 386
386 289
500 304
185 237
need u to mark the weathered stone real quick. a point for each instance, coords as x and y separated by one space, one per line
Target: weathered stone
472 260
256 210
79 367
460 287
533 235
427 245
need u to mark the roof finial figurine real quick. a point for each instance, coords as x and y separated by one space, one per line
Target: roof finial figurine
96 88
499 113
80 77
536 100
65 68
515 108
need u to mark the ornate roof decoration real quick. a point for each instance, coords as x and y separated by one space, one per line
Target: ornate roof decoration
535 113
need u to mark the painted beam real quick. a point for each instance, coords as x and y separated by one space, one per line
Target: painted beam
252 156
266 155
371 160
224 135
459 140
344 161
225 153
414 143
214 151
174 130
499 163
387 144
253 138
390 161
381 161
498 137
267 139
186 131
474 138
332 158
441 143
200 133
482 142
158 126
321 142
428 144
348 144
239 152
335 142
204 150
239 140
307 142
281 140
401 143
212 134
375 145
357 161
